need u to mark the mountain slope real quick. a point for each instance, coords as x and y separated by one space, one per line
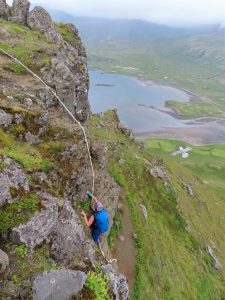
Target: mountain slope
172 261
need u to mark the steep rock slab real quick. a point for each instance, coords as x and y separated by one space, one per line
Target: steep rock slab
58 285
36 230
11 177
4 10
20 10
39 19
68 238
40 225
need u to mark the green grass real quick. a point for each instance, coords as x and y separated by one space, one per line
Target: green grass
98 283
22 44
17 68
26 267
115 229
19 212
26 155
170 263
206 161
66 34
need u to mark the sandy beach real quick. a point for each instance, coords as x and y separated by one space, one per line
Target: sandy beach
195 136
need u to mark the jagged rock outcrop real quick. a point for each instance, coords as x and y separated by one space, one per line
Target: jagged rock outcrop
20 10
4 9
158 172
12 181
68 239
70 80
39 19
4 264
58 285
126 130
117 283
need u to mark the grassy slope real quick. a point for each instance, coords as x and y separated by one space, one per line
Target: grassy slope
194 63
171 264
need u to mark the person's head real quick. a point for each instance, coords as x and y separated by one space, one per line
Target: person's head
98 206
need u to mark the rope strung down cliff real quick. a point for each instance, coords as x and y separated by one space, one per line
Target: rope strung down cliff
73 117
65 107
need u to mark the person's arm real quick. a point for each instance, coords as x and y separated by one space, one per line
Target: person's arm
89 221
94 199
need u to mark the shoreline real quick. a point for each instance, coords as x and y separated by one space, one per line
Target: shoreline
173 112
196 136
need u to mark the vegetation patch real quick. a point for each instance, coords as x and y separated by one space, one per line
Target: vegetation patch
66 34
26 155
98 283
17 68
25 267
115 229
14 214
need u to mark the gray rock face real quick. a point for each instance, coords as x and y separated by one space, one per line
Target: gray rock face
11 176
39 19
188 188
31 138
58 285
126 130
47 98
20 10
158 172
68 238
70 80
145 213
117 283
216 264
5 118
4 9
40 225
4 264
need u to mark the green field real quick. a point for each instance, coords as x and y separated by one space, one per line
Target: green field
208 162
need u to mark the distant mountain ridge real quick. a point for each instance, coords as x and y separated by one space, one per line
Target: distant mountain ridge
94 29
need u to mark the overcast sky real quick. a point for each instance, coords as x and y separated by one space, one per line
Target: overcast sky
169 12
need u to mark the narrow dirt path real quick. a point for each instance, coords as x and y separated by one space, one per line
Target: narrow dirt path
124 250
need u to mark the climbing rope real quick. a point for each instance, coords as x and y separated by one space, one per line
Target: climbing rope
76 121
65 107
103 254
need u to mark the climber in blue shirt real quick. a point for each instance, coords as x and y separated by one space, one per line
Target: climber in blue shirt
99 219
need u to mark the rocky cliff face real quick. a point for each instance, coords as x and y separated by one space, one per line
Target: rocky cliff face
44 168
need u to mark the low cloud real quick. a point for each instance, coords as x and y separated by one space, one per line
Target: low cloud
169 12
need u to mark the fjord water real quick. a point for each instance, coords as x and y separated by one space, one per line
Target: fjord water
133 99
